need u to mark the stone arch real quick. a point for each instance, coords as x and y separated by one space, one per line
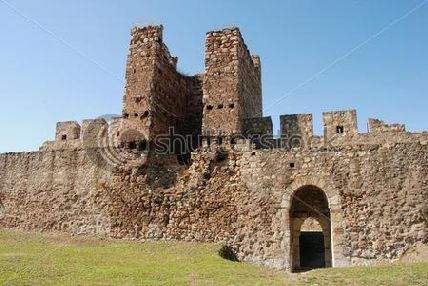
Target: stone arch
310 249
333 198
325 184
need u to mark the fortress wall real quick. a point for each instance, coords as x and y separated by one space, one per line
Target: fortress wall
51 191
377 196
170 93
156 94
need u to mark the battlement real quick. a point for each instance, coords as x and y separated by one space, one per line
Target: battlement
147 34
297 125
340 124
258 126
221 104
68 130
379 126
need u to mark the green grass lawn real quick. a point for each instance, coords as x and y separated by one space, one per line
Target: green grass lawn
53 259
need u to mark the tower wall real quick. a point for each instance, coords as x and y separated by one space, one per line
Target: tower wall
156 97
232 83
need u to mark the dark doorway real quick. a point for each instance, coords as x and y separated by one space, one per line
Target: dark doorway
312 251
310 227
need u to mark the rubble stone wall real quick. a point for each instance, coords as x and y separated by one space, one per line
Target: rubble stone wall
377 197
232 83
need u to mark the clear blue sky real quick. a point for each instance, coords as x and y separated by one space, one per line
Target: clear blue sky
70 65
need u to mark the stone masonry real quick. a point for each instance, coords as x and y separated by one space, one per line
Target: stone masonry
360 197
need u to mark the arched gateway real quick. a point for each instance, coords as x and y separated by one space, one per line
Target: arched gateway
310 223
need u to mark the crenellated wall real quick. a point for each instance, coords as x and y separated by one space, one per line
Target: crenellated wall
377 196
293 125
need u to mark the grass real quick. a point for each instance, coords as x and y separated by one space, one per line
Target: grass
57 259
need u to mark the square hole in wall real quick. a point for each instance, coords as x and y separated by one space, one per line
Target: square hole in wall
209 107
292 165
340 129
63 137
220 106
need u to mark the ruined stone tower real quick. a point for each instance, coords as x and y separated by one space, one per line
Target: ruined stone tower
232 83
225 100
157 97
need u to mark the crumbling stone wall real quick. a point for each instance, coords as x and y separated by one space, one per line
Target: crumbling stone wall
52 191
377 196
193 119
379 126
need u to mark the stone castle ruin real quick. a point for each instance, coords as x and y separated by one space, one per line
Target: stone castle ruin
192 158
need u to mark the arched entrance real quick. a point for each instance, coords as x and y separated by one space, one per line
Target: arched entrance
310 229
